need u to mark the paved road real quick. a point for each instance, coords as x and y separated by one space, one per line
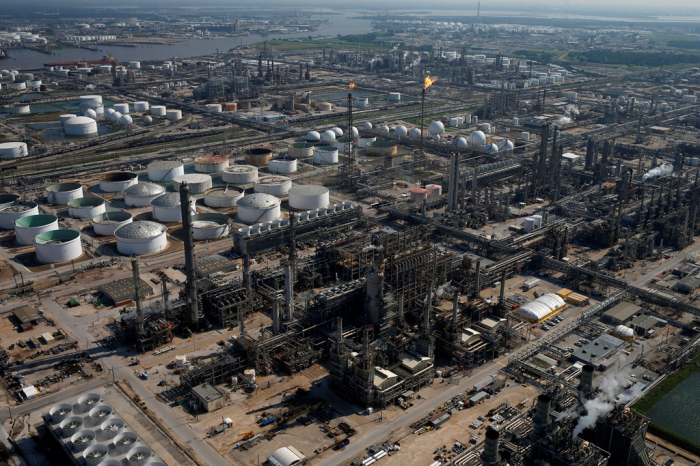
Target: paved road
669 264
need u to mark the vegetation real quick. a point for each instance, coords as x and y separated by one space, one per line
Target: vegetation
653 396
684 44
648 59
536 55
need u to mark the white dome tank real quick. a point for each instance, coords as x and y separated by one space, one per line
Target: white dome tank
384 129
307 197
505 145
106 224
328 137
197 182
313 136
158 110
167 208
139 238
53 247
477 138
66 117
165 170
258 207
461 142
141 106
63 193
121 108
436 127
125 120
80 126
210 163
401 131
240 174
282 164
325 155
338 132
275 185
91 113
141 195
117 182
367 125
13 150
86 207
414 133
210 226
394 96
173 115
223 197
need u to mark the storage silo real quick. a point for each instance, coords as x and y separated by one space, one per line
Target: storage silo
258 156
135 65
13 150
158 110
210 163
166 207
300 149
86 207
282 164
433 190
106 224
173 115
12 211
213 108
117 182
394 96
258 207
418 195
139 238
63 193
121 108
240 174
165 170
141 195
53 247
26 228
80 126
275 185
141 106
325 155
307 197
198 182
223 197
210 226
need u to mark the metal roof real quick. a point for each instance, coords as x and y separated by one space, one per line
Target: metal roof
259 201
144 190
541 307
308 190
273 180
241 169
140 230
123 289
167 200
161 164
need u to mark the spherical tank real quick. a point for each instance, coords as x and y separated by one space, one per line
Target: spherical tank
106 224
354 132
258 156
282 165
165 170
210 226
436 127
53 247
325 155
15 210
158 110
223 197
125 120
121 108
66 117
173 115
338 132
384 129
86 207
258 207
13 150
367 125
167 208
141 195
197 182
240 174
328 137
313 136
117 182
491 147
139 238
80 126
461 142
147 120
307 197
477 138
401 131
26 228
275 185
63 193
141 106
210 163
114 117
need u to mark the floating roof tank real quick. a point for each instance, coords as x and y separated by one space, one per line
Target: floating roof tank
282 164
80 126
53 247
210 226
26 228
197 182
107 223
13 150
307 197
240 174
258 207
258 156
210 163
165 170
275 185
12 211
63 193
86 207
223 197
117 182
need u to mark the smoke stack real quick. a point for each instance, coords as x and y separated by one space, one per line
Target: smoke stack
477 279
246 271
400 309
490 455
502 297
586 385
288 291
339 325
275 317
455 309
542 419
191 285
137 293
426 313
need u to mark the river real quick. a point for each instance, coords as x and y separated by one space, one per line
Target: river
678 411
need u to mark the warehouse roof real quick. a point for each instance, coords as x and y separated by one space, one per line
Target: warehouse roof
622 311
26 314
541 307
207 392
123 290
207 266
599 349
284 457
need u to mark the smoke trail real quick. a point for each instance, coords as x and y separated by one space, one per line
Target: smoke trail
595 408
564 120
665 169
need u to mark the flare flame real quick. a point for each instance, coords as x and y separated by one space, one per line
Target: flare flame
428 82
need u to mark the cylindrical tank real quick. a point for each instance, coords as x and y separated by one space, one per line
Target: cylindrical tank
282 164
63 193
213 108
33 83
275 185
210 163
166 207
538 221
173 115
95 454
258 207
433 190
53 247
83 439
86 99
143 237
231 106
210 226
300 149
250 375
116 182
13 150
525 136
135 65
158 110
325 106
17 109
141 195
394 96
197 182
515 122
139 456
17 86
80 126
223 197
125 120
307 197
66 117
529 224
240 174
141 106
86 207
165 170
325 155
124 442
418 194
258 156
107 223
121 108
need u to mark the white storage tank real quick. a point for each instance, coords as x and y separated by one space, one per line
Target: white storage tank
34 83
313 136
26 228
158 110
66 117
13 150
210 226
525 136
80 126
325 155
213 108
135 65
275 185
141 106
165 170
63 193
117 182
210 163
240 174
17 86
166 207
529 224
86 207
106 224
121 108
307 197
139 238
282 164
53 247
223 197
197 182
173 115
538 221
17 109
11 212
394 96
258 207
89 99
141 195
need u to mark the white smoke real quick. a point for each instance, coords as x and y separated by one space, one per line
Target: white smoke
564 120
571 110
595 408
442 289
665 169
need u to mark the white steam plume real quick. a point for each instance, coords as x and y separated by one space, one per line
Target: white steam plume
665 169
564 120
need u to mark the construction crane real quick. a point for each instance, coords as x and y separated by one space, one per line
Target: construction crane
247 435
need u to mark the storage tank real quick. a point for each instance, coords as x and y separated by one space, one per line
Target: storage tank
300 149
210 163
213 108
141 195
418 194
433 190
328 137
147 120
307 197
121 108
538 221
117 182
529 224
282 164
90 113
258 207
141 106
525 136
33 83
125 120
166 207
338 132
414 133
106 224
158 110
275 185
66 117
258 156
198 182
135 65
86 207
325 106
401 131
17 86
89 99
240 174
113 116
210 226
367 125
165 170
143 237
63 193
223 197
394 96
17 109
80 126
53 247
325 155
436 127
173 115
13 150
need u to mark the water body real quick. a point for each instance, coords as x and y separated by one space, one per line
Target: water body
678 411
344 23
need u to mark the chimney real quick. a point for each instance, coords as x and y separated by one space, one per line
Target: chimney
477 279
137 293
585 388
455 310
490 455
288 292
339 325
191 284
426 312
400 309
275 317
502 297
542 410
246 271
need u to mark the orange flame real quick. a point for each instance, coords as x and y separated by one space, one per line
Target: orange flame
428 82
352 86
